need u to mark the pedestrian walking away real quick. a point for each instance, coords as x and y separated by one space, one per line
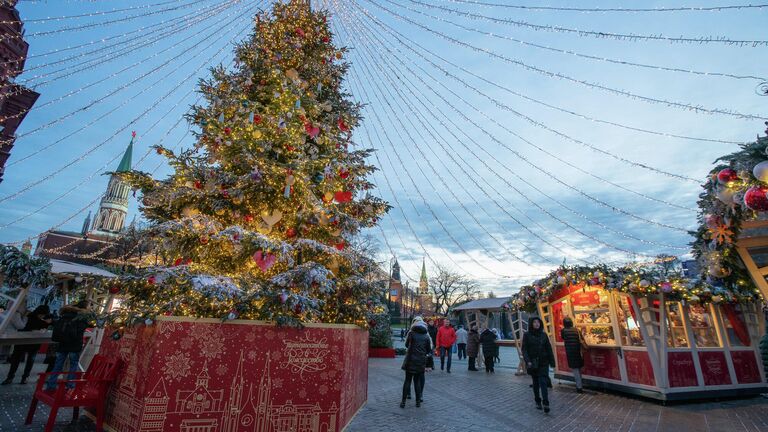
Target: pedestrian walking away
418 348
488 342
402 334
574 344
473 347
432 330
461 342
446 337
537 353
38 319
68 332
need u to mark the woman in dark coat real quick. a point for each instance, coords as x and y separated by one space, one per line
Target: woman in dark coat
473 347
419 346
573 343
488 341
537 352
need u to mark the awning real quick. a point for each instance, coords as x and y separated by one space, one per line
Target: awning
69 268
486 303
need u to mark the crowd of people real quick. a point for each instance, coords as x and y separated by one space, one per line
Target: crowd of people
68 328
424 340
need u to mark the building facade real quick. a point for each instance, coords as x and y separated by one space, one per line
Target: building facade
15 100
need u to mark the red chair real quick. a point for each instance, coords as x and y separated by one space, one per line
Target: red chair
90 391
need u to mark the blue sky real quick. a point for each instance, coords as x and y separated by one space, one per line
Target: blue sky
485 181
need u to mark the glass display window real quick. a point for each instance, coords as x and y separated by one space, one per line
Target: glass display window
676 335
703 326
592 315
628 323
735 325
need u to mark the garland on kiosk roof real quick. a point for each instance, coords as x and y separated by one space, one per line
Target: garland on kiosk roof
660 276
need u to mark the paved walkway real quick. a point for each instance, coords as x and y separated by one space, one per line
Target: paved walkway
473 401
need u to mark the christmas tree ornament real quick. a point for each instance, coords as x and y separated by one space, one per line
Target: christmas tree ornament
342 125
255 118
263 260
221 118
343 172
724 194
292 74
755 198
114 289
255 175
290 232
760 171
148 322
289 181
283 297
726 176
271 218
327 197
342 197
312 130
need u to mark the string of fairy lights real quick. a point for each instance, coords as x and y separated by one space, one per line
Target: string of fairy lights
451 113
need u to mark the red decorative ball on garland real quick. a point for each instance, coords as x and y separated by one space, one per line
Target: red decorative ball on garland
290 233
756 198
151 280
727 175
114 289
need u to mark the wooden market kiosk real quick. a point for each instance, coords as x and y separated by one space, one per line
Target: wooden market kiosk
657 348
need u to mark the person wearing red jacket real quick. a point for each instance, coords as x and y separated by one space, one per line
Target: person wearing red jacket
446 337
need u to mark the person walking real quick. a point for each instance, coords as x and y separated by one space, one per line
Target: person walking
473 347
418 348
496 357
446 337
537 353
402 334
461 342
68 332
488 341
574 343
432 330
38 319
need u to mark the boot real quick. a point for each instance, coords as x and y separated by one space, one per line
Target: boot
538 403
23 380
418 403
7 381
402 403
546 406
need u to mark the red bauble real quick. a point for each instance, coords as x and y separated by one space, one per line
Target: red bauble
727 175
198 184
343 173
256 119
339 246
227 130
298 308
290 233
248 218
114 289
299 32
151 280
178 262
756 198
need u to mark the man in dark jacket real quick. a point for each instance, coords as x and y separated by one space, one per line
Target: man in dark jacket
432 330
537 353
488 341
419 346
38 319
473 347
573 343
68 332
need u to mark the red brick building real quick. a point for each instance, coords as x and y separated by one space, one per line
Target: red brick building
15 100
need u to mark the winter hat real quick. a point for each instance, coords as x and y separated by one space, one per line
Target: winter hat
416 319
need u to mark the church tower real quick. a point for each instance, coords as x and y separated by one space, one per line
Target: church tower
114 204
423 281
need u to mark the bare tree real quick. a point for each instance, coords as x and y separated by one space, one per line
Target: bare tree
450 288
490 294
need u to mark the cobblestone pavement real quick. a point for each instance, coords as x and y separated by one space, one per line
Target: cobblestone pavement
473 401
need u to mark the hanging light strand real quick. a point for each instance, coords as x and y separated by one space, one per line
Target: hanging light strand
604 10
137 118
95 102
550 74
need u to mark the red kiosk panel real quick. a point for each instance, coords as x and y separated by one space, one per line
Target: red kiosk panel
639 368
681 370
714 368
745 365
602 362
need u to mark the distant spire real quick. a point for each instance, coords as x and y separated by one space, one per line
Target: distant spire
423 271
125 162
86 224
396 270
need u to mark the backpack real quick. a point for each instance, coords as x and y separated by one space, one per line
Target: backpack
64 331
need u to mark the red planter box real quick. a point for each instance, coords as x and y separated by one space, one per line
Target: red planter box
203 375
381 352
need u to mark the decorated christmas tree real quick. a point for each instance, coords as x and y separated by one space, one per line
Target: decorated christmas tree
256 220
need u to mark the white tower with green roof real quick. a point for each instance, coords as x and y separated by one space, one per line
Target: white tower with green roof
113 208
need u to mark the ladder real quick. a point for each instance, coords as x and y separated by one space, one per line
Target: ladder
15 304
519 326
100 303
